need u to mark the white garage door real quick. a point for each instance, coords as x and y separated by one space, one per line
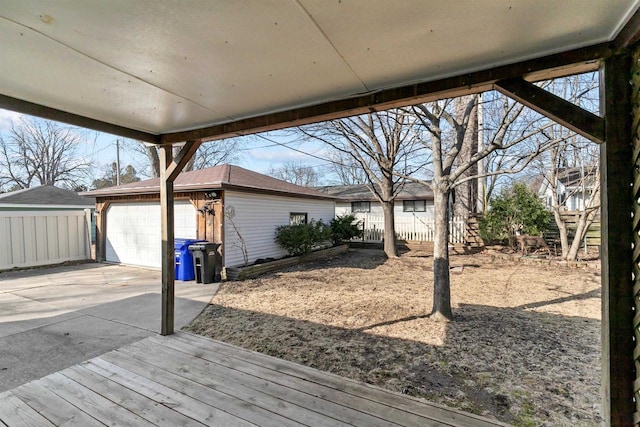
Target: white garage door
133 231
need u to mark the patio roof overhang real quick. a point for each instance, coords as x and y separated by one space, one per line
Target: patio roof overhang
166 72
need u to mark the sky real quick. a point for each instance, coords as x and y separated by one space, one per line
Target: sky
258 153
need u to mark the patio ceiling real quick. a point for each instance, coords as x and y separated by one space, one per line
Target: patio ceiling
152 69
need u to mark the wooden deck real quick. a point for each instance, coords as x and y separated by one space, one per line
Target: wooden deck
185 379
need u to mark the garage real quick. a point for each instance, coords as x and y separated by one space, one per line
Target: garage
129 224
133 231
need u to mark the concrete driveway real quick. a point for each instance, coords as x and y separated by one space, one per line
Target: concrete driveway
54 318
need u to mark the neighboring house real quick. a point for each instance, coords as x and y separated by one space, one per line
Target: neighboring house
413 211
223 204
575 186
414 200
44 225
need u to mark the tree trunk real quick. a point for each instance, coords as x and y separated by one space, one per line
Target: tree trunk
389 230
441 284
562 232
466 193
584 222
154 161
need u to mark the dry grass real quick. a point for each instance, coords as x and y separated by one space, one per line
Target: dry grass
524 347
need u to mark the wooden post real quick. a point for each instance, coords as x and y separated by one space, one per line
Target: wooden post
617 198
167 221
101 231
169 170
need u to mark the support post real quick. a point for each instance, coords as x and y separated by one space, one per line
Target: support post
167 230
169 170
616 203
101 231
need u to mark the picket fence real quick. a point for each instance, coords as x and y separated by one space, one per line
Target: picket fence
33 238
411 228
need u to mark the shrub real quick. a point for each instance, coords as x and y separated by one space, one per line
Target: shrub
513 207
344 228
300 239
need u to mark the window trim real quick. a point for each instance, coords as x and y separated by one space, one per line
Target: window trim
298 214
360 210
412 203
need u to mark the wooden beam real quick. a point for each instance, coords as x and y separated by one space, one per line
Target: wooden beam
618 372
557 65
564 112
167 231
183 157
629 35
26 107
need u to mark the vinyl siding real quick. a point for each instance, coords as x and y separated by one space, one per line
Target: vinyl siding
376 209
257 216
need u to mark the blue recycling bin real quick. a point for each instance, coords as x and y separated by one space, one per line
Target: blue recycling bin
184 259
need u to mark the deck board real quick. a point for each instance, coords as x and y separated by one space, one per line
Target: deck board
15 412
150 410
188 380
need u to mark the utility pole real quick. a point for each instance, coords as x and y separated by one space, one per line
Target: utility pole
117 161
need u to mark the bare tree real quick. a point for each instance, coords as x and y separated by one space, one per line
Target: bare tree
42 152
445 125
209 154
295 173
383 145
346 169
566 180
569 170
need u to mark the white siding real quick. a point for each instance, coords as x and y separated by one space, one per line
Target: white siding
133 231
376 209
32 238
257 216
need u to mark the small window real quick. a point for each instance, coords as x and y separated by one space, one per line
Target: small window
297 218
414 206
357 207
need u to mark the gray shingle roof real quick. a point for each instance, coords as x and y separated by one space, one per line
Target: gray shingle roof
46 195
410 191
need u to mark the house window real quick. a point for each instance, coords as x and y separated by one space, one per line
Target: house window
414 206
297 218
357 207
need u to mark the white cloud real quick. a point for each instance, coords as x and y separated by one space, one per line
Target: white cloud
7 117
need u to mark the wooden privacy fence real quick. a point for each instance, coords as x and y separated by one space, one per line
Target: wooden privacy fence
412 228
32 238
592 239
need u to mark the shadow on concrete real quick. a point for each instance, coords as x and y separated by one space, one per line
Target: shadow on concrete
47 343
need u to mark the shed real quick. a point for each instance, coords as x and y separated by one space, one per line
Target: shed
224 204
44 225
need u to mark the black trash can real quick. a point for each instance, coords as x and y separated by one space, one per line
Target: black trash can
207 262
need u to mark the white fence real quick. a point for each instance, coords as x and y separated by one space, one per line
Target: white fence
411 228
32 238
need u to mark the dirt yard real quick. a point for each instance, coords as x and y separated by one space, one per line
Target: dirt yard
524 347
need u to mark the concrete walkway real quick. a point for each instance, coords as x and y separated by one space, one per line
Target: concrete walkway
54 318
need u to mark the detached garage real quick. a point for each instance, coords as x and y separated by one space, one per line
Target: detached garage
226 204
